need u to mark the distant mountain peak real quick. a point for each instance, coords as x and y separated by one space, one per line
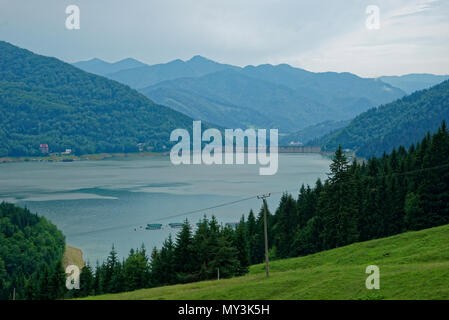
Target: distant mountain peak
129 60
199 59
93 60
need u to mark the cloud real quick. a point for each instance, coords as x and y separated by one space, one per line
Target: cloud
413 38
412 8
320 35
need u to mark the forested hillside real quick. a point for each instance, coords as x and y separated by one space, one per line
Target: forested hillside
313 132
403 191
31 250
46 101
400 123
280 96
264 96
232 99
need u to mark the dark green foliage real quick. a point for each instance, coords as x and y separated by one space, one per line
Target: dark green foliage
31 250
201 255
184 253
46 101
286 226
405 190
337 205
400 123
87 282
251 231
241 242
313 132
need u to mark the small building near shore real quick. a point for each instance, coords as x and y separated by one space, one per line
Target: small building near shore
43 148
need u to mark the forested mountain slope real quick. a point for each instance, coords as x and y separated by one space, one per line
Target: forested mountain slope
280 96
31 250
313 132
402 122
263 96
46 101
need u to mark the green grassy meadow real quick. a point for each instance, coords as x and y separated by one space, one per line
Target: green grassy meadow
413 265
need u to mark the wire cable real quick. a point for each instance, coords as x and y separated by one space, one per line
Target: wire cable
183 214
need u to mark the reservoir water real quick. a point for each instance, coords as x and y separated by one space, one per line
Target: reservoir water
100 203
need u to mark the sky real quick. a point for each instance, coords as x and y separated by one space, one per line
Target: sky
316 35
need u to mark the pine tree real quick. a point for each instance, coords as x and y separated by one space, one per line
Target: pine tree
184 253
286 226
434 188
108 271
98 289
135 270
87 281
241 243
337 205
251 231
56 282
42 288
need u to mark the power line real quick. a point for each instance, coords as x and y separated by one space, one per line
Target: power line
411 171
242 200
206 209
165 218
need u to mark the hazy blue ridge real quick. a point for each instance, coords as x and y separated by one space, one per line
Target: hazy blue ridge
414 82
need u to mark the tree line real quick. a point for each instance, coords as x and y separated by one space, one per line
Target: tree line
359 201
401 191
203 254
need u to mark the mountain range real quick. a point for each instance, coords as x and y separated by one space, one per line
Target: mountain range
100 67
46 101
264 96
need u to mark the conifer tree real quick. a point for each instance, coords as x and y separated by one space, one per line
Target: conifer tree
241 243
183 252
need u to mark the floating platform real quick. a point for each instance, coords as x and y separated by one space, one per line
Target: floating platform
176 225
154 226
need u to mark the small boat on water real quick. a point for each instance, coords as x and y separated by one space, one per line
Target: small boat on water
154 226
175 225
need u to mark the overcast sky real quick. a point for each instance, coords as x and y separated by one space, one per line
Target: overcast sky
316 35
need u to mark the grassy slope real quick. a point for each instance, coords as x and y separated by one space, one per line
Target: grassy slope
413 265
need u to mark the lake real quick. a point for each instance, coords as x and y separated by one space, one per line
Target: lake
100 203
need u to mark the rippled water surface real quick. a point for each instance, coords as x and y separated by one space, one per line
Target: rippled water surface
100 203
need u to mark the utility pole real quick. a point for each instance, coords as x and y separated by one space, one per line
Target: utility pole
14 294
218 272
264 199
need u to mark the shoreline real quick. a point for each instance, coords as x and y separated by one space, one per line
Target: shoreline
104 156
86 157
